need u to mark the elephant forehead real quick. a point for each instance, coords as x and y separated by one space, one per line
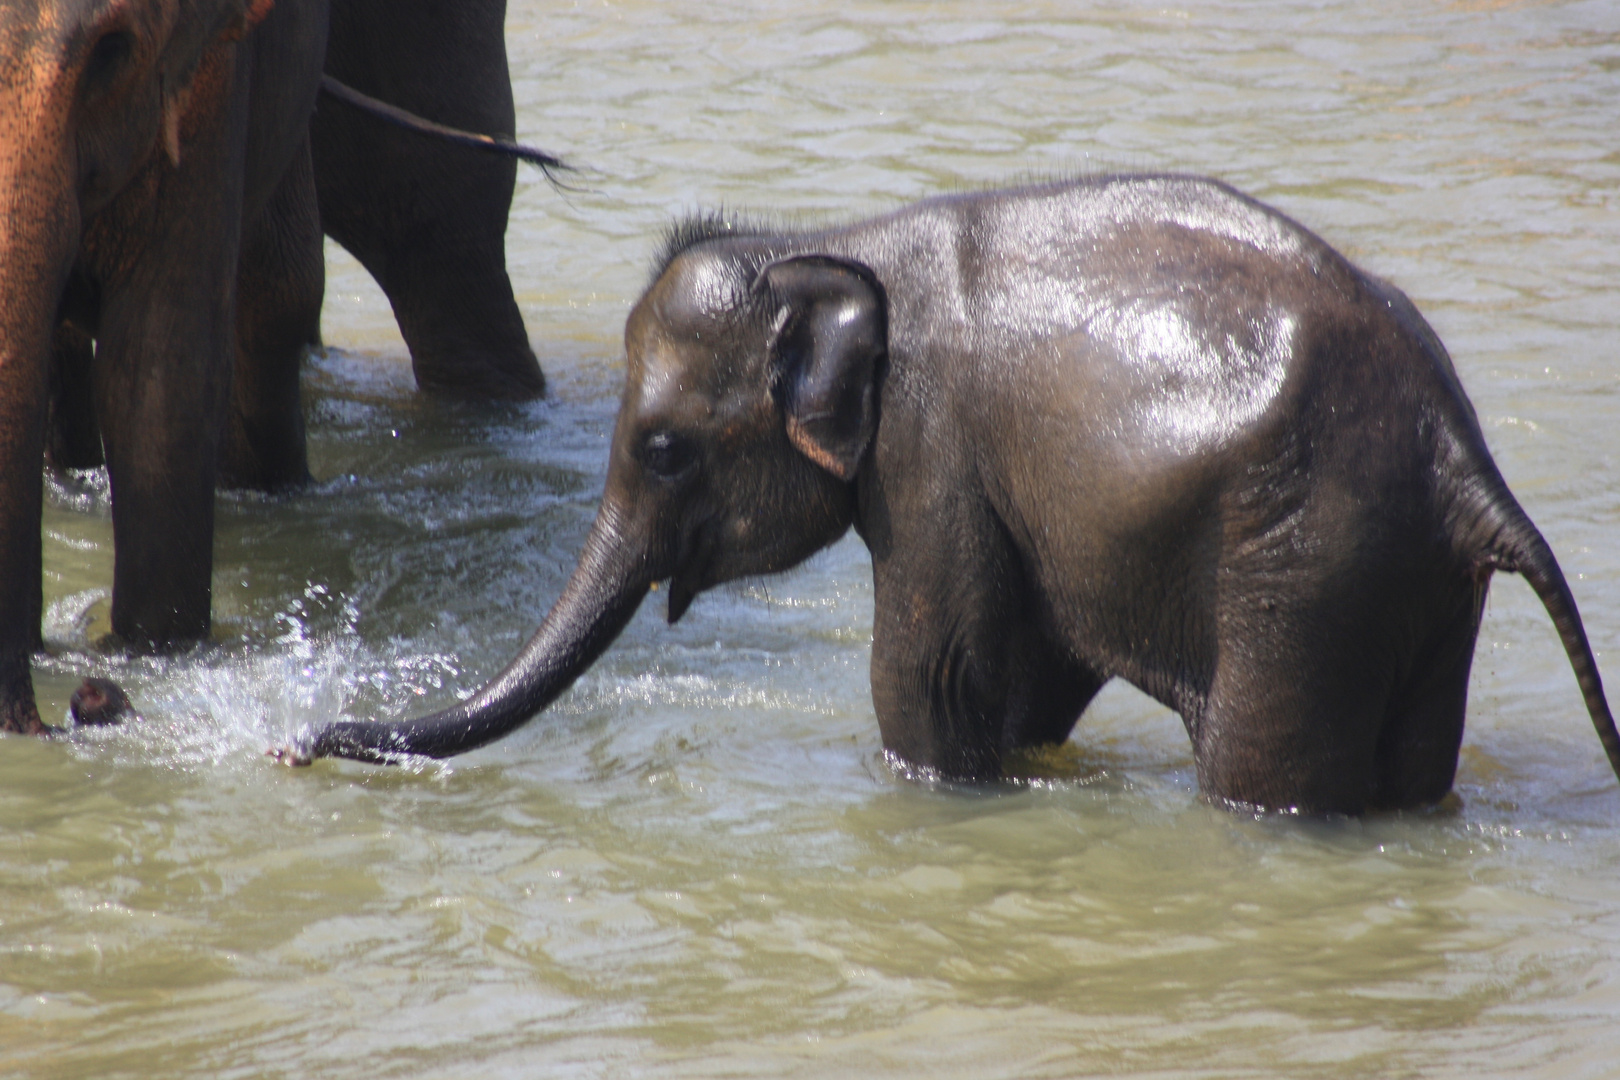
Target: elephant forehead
660 377
704 392
699 359
698 289
686 342
675 376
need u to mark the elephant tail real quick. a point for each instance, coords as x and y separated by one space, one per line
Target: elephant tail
549 164
1512 543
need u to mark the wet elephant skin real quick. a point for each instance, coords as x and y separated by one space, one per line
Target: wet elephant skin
145 145
429 222
1135 427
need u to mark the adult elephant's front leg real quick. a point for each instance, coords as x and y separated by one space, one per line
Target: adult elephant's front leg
163 372
22 446
38 232
162 398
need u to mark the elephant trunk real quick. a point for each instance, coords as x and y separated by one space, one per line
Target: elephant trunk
601 596
39 233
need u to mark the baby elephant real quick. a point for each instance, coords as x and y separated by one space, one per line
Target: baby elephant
1132 426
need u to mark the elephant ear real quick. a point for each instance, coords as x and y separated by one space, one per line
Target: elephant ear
829 332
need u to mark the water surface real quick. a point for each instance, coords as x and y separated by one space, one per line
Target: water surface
698 863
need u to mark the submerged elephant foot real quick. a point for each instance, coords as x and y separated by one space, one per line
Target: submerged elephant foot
100 702
22 720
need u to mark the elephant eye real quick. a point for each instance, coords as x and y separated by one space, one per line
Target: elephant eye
108 57
668 455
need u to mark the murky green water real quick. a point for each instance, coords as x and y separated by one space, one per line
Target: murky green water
698 863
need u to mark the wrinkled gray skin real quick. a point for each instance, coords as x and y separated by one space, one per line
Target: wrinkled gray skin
1135 427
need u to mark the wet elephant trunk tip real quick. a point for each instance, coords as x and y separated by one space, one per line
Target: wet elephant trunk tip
600 598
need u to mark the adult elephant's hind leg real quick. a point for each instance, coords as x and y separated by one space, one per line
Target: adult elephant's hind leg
280 282
426 219
1423 727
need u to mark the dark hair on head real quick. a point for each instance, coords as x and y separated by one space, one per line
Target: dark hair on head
699 228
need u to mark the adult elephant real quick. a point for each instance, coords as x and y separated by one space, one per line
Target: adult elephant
1138 427
429 224
426 219
151 151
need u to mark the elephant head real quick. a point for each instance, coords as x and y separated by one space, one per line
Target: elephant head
90 92
751 397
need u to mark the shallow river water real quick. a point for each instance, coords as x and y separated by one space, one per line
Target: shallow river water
698 863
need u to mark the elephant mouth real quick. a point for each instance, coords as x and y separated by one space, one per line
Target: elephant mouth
681 594
694 571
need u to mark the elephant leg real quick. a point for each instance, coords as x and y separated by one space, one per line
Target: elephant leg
23 395
937 693
960 673
163 368
1293 724
427 220
73 440
280 282
1048 693
1423 726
